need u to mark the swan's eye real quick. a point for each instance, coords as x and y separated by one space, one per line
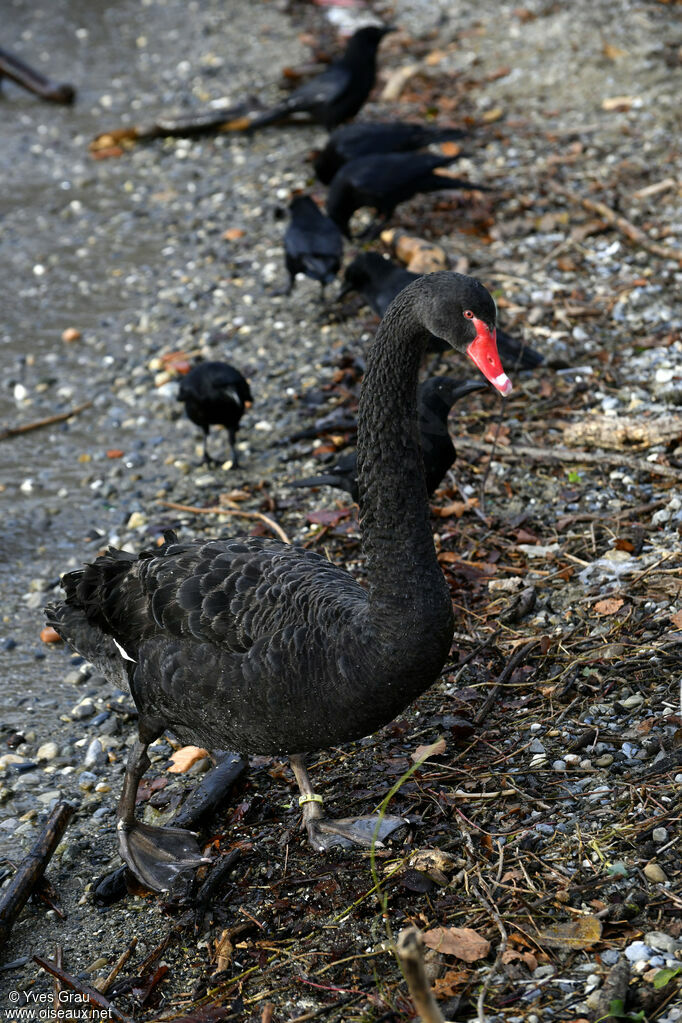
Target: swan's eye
468 313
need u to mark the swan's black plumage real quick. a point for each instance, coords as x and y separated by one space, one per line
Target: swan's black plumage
436 397
260 646
378 279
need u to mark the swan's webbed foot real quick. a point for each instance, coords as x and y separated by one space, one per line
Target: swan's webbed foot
156 856
325 833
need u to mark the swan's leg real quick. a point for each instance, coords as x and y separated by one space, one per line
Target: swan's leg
324 832
155 855
232 434
208 459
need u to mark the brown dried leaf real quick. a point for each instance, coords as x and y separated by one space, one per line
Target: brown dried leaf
612 52
676 619
184 757
580 933
608 606
526 957
233 233
450 984
462 942
434 750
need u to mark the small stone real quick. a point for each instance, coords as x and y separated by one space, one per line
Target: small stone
654 873
572 759
546 970
95 754
82 710
70 334
9 759
136 520
86 780
659 836
638 952
48 751
51 796
559 765
536 747
632 701
604 761
102 787
98 964
539 760
661 941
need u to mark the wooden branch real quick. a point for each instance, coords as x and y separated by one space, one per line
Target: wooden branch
93 997
31 869
409 949
632 233
15 431
28 78
104 984
559 454
274 526
517 658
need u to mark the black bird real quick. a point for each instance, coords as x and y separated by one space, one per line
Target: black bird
255 645
351 141
435 398
313 244
339 91
382 181
215 394
379 280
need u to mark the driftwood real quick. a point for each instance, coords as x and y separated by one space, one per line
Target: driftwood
260 516
201 123
632 233
558 454
28 78
410 951
618 432
97 1000
59 417
31 869
207 797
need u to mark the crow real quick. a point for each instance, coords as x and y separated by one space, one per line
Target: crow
382 181
215 394
436 397
339 91
379 280
362 139
313 244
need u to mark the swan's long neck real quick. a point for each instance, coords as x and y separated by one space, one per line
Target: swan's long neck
407 591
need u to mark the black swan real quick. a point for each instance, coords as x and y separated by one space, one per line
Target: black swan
379 280
338 92
364 137
382 181
435 398
215 394
258 646
313 244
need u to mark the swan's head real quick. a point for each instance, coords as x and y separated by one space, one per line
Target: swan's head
460 311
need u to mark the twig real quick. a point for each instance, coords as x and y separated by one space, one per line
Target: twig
518 657
93 997
104 985
15 431
480 1010
632 233
274 526
31 869
566 455
409 949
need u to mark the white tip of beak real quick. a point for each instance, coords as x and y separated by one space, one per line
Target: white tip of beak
502 383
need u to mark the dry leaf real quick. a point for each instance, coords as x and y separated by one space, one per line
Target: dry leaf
223 951
580 933
449 985
676 619
233 233
184 757
462 942
609 606
450 148
434 750
456 508
526 957
115 453
612 52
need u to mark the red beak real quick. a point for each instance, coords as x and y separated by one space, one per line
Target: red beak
483 353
